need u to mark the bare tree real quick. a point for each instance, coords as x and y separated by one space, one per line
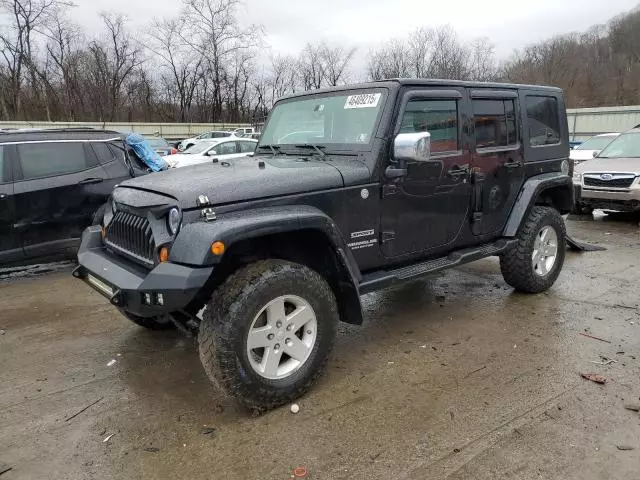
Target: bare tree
183 66
482 65
18 48
336 62
393 60
217 36
113 61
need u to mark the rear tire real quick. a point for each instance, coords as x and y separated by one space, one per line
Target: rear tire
264 312
534 263
150 323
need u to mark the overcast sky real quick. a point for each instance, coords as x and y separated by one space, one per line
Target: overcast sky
289 24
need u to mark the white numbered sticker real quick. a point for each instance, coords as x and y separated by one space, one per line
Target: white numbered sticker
364 100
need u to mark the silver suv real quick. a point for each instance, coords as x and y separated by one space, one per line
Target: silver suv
612 179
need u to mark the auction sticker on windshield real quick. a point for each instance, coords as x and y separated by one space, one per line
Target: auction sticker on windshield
364 100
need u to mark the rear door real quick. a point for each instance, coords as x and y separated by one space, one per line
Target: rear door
10 249
226 151
247 147
58 188
497 166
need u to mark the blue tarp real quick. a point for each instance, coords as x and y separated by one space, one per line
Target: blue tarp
144 151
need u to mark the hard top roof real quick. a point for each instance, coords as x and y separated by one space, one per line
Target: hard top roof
426 82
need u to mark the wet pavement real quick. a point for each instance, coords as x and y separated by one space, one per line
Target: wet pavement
454 377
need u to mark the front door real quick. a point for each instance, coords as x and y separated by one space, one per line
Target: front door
497 165
424 211
10 249
58 188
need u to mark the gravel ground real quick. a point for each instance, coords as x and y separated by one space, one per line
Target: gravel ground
454 377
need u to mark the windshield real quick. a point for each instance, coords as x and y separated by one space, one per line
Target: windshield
157 142
199 148
596 143
325 120
625 146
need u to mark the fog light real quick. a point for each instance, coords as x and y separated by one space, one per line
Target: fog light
163 254
160 299
147 298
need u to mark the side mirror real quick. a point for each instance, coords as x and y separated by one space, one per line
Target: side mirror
412 147
596 153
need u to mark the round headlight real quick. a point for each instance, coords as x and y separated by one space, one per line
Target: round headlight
173 220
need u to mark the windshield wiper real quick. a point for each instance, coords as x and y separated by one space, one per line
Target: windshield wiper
317 148
275 149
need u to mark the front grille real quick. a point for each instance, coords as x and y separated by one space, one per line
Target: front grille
615 182
132 235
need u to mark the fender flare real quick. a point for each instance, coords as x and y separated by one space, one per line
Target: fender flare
532 189
193 244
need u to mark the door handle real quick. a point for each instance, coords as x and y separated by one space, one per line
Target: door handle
457 171
511 163
90 181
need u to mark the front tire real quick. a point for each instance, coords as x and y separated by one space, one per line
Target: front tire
534 263
267 333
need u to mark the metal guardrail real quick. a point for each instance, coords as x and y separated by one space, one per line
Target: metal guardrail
170 131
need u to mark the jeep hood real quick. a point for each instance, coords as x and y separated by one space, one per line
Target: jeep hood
243 179
610 165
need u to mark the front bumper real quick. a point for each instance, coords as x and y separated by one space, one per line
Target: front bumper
126 284
622 199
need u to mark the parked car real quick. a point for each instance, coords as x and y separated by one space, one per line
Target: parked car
53 184
246 132
212 150
590 148
189 142
611 180
391 183
161 146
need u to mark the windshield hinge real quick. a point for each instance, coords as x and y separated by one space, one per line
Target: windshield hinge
208 214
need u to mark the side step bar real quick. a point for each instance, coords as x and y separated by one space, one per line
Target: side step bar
385 278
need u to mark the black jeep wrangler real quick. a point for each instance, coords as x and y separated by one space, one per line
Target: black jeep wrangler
351 190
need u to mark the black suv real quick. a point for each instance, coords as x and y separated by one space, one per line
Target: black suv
351 190
52 184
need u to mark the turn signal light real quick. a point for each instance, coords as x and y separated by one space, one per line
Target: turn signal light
217 248
104 232
163 254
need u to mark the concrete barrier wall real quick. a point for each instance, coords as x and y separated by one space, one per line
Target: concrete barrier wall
586 122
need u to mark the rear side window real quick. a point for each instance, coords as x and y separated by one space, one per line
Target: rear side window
104 153
247 147
40 160
543 120
218 135
438 117
495 123
227 148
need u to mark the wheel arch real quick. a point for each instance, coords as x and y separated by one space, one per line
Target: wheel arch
549 189
302 235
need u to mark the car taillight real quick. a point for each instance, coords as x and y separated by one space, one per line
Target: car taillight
173 151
